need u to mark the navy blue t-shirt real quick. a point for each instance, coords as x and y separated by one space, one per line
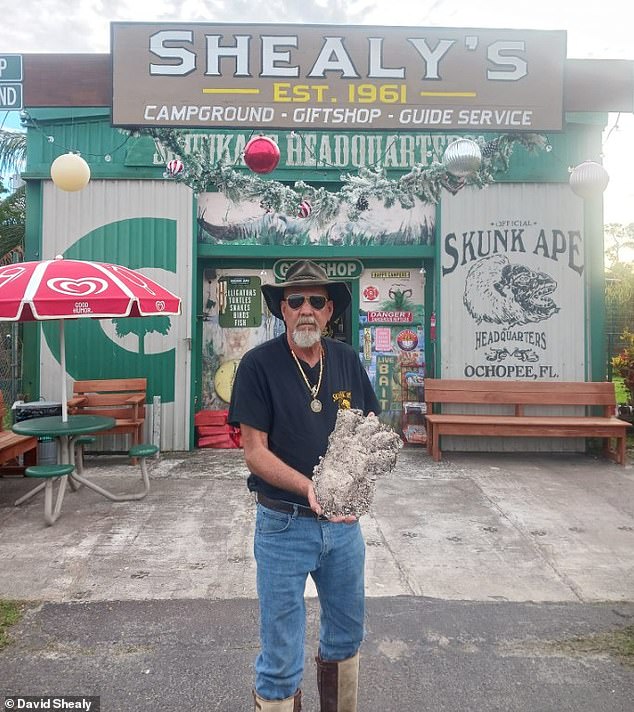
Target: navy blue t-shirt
269 394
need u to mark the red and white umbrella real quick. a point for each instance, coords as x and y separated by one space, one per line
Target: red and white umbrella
75 289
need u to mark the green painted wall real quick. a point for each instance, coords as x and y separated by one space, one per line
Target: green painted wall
154 245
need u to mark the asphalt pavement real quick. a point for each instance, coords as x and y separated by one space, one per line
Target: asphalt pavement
494 582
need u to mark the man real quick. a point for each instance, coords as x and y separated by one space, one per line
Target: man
285 398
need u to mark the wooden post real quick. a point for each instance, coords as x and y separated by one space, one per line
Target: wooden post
156 422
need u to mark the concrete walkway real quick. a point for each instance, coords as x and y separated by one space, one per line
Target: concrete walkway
480 570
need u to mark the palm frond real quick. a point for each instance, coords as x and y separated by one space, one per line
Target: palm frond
12 225
12 150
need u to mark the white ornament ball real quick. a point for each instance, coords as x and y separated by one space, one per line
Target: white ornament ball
70 172
589 179
174 167
305 209
462 157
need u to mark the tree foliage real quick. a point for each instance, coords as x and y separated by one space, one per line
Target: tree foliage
623 363
12 225
13 206
619 301
621 239
12 150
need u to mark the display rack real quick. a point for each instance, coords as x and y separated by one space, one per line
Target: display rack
413 407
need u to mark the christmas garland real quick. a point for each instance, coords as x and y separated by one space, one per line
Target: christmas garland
423 182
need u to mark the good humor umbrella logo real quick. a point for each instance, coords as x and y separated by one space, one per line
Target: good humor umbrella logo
133 277
9 274
78 287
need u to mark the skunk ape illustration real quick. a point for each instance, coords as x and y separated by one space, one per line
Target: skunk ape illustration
501 293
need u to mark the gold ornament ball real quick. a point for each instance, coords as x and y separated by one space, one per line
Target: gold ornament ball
70 172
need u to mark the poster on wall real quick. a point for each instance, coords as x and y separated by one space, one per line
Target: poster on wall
512 284
221 221
391 337
239 302
235 319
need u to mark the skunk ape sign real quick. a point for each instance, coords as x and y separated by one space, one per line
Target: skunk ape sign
508 294
513 285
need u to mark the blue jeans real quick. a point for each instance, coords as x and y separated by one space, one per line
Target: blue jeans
287 549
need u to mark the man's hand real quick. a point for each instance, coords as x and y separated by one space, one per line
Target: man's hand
312 500
316 507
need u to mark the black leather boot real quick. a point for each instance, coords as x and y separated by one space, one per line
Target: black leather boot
338 682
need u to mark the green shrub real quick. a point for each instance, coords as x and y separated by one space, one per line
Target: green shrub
623 364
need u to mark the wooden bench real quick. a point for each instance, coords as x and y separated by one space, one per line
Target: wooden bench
515 397
13 445
120 398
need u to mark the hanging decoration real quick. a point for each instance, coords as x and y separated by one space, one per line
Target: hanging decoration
424 181
462 158
174 167
262 154
490 148
69 172
305 209
589 179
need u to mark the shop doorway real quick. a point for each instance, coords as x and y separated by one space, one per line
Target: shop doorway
341 328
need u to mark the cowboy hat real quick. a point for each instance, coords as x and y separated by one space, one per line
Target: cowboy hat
306 273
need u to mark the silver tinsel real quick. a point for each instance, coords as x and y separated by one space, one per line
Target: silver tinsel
464 163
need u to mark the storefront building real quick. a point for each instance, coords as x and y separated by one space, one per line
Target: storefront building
504 281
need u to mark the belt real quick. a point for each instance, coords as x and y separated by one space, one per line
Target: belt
280 505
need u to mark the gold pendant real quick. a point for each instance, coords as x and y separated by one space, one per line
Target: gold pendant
315 405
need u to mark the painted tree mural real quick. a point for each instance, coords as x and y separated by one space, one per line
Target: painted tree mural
141 326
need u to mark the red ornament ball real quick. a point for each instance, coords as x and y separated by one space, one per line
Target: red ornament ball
174 167
261 154
305 209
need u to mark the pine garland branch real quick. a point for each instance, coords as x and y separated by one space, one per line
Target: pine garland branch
423 182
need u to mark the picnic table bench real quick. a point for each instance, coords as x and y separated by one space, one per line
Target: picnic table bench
12 446
120 398
515 398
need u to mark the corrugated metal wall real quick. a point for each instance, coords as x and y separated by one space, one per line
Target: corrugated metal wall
513 294
145 225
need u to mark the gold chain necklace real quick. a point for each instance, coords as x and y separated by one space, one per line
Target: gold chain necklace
315 403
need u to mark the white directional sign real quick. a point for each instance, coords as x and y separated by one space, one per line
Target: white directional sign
10 82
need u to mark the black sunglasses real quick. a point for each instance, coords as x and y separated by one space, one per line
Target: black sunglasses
316 301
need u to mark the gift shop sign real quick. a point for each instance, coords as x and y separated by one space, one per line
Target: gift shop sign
321 76
335 269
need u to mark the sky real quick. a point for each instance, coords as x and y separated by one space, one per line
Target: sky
599 30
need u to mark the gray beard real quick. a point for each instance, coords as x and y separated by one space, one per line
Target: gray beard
305 339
